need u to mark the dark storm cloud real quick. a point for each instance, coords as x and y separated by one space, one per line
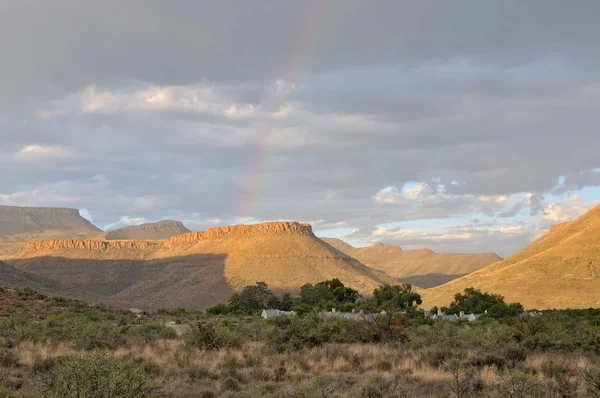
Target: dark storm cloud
299 110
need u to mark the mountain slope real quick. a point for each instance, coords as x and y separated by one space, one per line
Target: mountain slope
559 270
197 269
422 267
12 277
24 224
150 231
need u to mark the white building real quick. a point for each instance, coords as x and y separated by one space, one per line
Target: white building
271 313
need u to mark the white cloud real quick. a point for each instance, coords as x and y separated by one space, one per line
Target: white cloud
85 213
94 100
37 152
558 212
126 221
392 195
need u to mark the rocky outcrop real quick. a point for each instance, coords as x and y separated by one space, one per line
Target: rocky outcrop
76 244
11 212
557 227
151 231
241 231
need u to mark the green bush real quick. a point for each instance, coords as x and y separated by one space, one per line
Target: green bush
99 376
214 335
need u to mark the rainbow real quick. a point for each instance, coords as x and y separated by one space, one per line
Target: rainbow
313 23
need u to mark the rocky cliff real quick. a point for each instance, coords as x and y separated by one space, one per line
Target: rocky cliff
560 226
242 231
77 244
151 231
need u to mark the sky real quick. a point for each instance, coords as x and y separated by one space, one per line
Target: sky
462 126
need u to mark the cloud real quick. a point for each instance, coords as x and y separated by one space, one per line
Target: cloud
212 113
125 221
93 100
40 153
558 212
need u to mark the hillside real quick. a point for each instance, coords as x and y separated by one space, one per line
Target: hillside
422 267
11 277
24 224
559 270
197 269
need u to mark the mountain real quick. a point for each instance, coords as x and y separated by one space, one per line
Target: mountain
11 277
151 231
24 224
559 270
197 269
422 267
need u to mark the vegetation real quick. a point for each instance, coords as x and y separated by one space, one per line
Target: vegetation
53 347
478 302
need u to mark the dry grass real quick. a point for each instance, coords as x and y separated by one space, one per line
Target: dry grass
254 369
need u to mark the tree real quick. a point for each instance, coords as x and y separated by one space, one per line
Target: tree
478 302
314 294
255 297
394 297
327 291
286 302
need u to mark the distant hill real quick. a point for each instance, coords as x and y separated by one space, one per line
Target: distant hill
422 267
197 269
559 270
23 224
151 231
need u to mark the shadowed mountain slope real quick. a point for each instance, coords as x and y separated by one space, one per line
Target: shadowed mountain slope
24 224
197 269
12 277
422 267
150 231
559 270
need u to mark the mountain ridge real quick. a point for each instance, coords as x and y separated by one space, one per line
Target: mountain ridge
198 269
561 269
421 267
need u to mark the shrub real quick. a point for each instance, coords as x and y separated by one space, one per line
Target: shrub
153 332
231 384
384 365
591 376
210 335
8 358
99 376
514 355
517 384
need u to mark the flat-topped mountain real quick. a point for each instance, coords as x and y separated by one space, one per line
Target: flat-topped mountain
30 220
559 270
151 231
422 267
197 269
24 224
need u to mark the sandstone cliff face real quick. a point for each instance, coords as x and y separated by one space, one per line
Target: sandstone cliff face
242 231
151 231
560 226
76 244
